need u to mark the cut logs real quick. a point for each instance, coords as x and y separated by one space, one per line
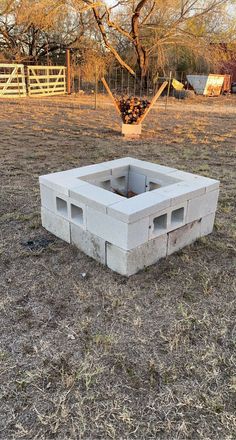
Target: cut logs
132 108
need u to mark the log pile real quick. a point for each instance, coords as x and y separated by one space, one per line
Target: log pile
132 108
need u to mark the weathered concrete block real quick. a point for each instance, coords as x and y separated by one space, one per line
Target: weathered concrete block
202 206
129 262
183 236
207 224
90 244
55 224
127 236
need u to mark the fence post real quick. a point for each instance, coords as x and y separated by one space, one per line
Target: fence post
68 71
168 90
96 88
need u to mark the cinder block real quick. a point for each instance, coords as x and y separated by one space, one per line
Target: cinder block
120 170
202 206
120 183
152 169
54 201
183 191
136 183
90 244
48 198
209 184
167 220
144 205
60 183
55 224
95 197
78 213
129 262
207 224
183 236
127 236
95 178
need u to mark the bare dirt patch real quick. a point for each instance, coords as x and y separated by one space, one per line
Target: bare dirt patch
86 353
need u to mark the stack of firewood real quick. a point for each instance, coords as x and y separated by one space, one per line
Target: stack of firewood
132 108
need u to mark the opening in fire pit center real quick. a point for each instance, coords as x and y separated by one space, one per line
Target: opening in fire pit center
130 181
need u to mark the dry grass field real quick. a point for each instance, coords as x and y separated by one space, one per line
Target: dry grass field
85 353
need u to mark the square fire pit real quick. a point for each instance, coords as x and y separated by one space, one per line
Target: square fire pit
127 213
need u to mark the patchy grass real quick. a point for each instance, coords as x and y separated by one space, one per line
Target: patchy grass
101 356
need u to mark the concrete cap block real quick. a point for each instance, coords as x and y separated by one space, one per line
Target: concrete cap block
60 183
94 196
130 210
208 183
182 191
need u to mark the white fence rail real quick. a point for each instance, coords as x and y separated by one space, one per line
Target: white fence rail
12 80
46 80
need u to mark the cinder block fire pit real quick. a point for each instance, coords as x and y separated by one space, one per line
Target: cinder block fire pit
128 213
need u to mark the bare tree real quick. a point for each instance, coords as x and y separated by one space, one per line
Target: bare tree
149 26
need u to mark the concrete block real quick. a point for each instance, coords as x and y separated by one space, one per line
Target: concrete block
137 182
167 220
151 169
60 183
95 178
48 199
54 201
183 191
78 213
143 205
209 184
202 206
183 236
55 224
129 262
120 171
120 183
90 244
94 197
207 224
127 236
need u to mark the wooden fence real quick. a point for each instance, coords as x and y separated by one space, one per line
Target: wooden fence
46 80
12 80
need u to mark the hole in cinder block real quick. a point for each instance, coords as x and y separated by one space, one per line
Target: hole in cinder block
77 214
177 216
61 207
153 185
160 223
